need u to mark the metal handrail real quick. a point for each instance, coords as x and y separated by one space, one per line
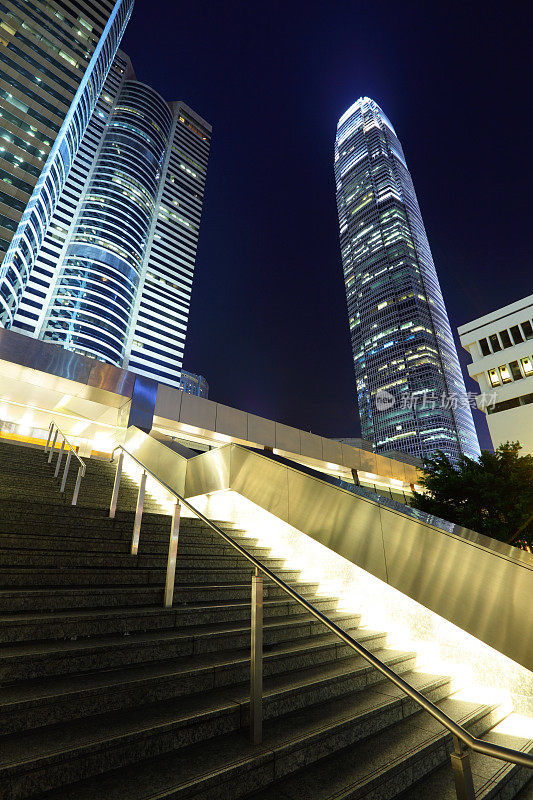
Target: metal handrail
53 432
460 734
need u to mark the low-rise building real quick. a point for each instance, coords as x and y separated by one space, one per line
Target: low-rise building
501 347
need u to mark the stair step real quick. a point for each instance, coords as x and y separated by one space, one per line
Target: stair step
38 760
11 577
117 543
57 599
492 778
231 768
390 763
67 624
33 659
69 560
106 695
42 702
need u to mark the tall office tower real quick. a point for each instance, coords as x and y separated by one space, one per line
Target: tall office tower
113 277
161 311
410 390
194 384
34 300
54 59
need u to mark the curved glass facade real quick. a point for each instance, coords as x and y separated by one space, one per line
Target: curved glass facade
25 245
410 389
95 292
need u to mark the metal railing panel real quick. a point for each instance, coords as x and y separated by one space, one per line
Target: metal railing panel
461 736
54 433
481 590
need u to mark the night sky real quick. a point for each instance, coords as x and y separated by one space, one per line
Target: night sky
268 324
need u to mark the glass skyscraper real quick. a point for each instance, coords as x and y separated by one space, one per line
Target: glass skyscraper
410 391
108 270
54 59
113 276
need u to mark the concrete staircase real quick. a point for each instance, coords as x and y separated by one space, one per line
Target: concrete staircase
105 695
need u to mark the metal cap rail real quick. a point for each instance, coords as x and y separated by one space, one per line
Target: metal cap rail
53 433
462 739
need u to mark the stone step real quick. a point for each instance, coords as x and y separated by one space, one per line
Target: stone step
73 542
58 599
106 695
72 560
227 766
27 515
32 704
391 764
527 791
65 521
492 778
157 534
11 577
81 624
34 659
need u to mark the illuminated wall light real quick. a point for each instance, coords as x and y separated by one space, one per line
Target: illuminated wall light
222 437
103 441
79 427
477 669
25 425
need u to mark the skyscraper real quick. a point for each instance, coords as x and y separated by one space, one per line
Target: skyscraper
54 59
113 276
410 390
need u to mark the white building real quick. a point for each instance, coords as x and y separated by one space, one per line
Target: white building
501 347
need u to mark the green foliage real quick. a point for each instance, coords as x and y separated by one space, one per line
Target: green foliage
493 496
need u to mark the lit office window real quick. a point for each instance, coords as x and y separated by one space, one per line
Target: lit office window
527 366
494 378
504 372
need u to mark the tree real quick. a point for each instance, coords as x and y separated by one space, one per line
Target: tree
493 496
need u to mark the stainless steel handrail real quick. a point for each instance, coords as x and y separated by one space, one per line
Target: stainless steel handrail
53 432
460 734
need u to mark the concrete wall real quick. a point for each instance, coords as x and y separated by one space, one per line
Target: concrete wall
182 413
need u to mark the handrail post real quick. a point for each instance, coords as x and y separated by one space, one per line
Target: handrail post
116 486
256 660
50 429
172 555
53 446
462 771
77 486
138 516
65 472
60 456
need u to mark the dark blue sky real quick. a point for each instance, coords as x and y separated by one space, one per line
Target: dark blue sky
268 324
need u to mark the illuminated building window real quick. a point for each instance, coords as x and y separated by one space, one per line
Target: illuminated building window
494 378
504 372
527 366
